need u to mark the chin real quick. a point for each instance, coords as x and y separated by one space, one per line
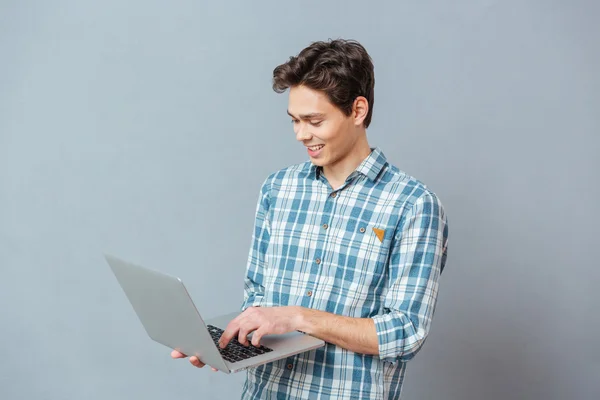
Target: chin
321 161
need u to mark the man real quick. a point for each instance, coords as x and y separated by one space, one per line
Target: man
346 247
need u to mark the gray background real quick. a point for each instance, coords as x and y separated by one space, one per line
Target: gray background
145 129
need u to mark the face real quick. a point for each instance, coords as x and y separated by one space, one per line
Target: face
328 134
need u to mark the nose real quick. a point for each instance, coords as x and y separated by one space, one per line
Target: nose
302 132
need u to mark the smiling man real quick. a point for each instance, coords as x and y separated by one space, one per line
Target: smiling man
346 246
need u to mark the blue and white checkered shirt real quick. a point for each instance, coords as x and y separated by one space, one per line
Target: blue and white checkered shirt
373 248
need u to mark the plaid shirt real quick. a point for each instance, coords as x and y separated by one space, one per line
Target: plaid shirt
373 248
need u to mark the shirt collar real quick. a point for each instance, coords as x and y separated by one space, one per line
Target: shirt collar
370 167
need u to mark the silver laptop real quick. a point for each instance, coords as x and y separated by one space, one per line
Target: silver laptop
170 317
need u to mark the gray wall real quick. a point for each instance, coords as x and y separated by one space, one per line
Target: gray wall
146 128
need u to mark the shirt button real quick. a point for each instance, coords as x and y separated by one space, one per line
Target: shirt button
362 230
325 226
309 293
318 261
333 194
290 366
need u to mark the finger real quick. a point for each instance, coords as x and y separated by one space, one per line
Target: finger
229 333
214 369
226 338
243 337
196 362
177 354
257 336
233 328
246 327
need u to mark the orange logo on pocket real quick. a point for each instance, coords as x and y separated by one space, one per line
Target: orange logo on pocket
380 233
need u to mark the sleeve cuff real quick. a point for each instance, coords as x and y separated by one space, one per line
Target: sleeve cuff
252 301
386 326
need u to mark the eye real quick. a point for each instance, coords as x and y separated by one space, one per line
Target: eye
316 123
295 121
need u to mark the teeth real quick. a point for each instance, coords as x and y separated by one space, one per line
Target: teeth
316 148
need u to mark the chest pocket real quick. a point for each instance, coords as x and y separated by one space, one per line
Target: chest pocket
360 272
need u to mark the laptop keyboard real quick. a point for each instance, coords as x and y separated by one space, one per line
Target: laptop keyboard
235 351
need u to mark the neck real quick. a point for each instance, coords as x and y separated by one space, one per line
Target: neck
337 172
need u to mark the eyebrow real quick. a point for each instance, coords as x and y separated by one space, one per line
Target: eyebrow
307 116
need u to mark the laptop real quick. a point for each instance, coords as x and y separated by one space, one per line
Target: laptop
170 317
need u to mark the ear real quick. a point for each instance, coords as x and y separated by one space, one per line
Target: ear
360 108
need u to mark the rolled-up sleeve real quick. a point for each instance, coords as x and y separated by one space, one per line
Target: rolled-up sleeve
417 258
257 257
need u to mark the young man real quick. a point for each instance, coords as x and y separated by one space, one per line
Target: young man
346 247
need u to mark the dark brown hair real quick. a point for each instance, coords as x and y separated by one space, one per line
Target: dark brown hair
342 69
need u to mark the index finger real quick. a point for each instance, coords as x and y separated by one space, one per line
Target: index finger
230 332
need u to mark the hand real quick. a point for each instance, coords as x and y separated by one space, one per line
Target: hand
193 360
262 321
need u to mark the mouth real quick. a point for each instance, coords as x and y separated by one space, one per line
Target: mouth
316 148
